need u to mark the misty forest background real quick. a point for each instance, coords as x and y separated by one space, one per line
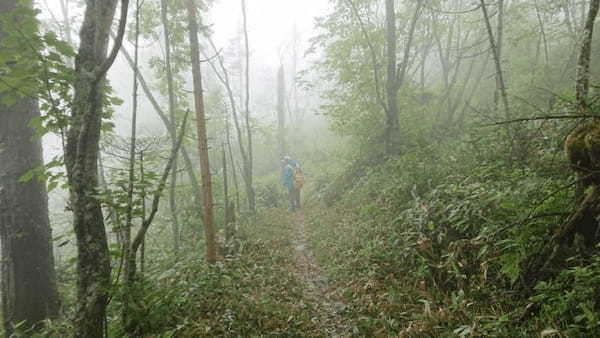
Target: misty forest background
451 151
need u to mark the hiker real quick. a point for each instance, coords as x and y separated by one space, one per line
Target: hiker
293 178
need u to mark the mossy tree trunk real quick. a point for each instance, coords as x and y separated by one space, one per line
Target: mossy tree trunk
581 232
81 160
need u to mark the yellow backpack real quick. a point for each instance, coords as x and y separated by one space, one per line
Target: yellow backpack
298 177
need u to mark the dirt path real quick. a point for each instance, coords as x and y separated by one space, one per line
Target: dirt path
317 286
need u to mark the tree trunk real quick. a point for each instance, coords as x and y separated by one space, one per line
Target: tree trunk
64 5
143 217
392 125
497 61
140 237
395 74
129 322
81 160
403 67
28 279
167 122
281 112
209 231
248 167
373 54
582 83
499 39
224 78
226 207
512 132
232 161
172 107
543 33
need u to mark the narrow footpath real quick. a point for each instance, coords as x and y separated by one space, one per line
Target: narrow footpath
318 289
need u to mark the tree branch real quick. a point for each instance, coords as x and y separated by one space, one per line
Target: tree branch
404 65
354 11
548 117
117 44
161 186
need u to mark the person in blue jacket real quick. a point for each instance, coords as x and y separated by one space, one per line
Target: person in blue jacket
287 179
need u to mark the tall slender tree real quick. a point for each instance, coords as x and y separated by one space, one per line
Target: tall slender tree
281 112
128 323
495 50
232 161
395 74
498 47
392 125
167 123
583 64
209 228
164 11
248 166
223 77
29 292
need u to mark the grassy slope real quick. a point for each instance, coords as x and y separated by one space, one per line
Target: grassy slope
441 262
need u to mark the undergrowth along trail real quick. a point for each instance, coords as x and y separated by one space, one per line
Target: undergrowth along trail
271 286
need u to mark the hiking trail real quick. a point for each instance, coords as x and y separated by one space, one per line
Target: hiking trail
327 300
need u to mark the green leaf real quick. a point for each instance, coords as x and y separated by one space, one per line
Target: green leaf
28 176
52 185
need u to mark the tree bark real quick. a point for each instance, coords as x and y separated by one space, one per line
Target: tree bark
582 83
81 160
209 231
29 291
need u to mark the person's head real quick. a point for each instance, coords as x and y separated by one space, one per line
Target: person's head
287 159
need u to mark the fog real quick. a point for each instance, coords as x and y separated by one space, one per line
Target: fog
275 28
279 32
